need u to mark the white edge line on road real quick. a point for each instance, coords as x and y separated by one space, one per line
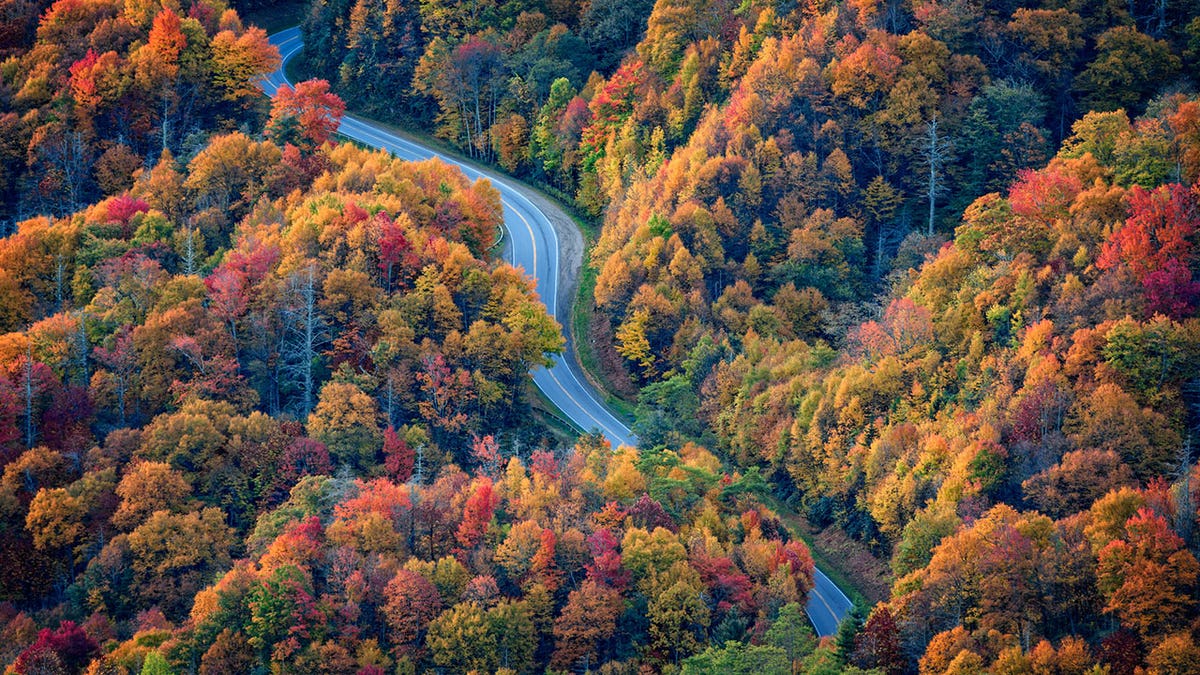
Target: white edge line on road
621 433
384 136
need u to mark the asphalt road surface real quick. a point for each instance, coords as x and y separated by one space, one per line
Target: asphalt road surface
533 245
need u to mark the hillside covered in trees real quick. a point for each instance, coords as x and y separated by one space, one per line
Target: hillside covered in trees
90 88
924 272
235 398
929 267
1014 430
235 446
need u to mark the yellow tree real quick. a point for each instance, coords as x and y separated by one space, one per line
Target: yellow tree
175 556
238 61
679 620
460 639
148 487
346 420
55 519
633 344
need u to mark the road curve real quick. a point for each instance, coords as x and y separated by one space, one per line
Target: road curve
534 246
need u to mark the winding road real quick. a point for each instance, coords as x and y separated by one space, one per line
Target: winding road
534 246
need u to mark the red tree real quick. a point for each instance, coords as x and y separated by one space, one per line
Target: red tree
544 462
606 567
122 209
1156 245
70 646
304 457
411 602
796 554
311 107
398 457
878 645
477 513
487 452
1043 196
543 567
397 260
227 297
648 513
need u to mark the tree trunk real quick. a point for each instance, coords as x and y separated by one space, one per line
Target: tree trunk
932 172
59 272
935 156
29 396
309 348
189 251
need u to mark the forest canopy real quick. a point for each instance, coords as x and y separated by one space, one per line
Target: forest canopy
919 279
929 267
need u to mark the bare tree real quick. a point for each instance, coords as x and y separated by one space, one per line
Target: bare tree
419 470
189 251
307 333
388 397
1185 508
121 361
1158 22
82 349
69 156
278 362
935 153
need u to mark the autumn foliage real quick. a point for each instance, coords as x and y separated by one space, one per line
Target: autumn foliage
100 87
180 359
924 273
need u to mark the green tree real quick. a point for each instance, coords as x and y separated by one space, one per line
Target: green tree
155 664
546 145
461 639
1129 67
735 658
791 632
515 636
679 620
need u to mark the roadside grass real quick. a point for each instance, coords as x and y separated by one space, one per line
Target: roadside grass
798 527
548 415
581 322
287 15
